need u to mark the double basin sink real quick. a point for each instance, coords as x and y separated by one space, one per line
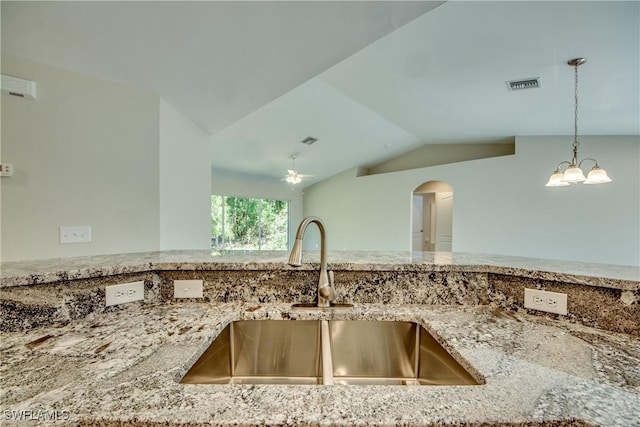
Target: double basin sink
325 352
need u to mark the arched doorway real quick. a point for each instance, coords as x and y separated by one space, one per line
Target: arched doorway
432 217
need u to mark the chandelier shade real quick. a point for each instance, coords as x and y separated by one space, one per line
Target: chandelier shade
597 175
556 180
573 175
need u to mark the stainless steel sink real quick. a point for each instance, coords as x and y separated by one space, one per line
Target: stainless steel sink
327 352
261 352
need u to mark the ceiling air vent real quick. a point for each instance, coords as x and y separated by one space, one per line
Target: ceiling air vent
309 140
531 83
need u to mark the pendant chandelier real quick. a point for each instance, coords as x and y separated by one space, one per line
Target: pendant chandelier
573 173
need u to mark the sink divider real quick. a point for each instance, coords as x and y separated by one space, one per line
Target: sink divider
327 363
416 362
232 350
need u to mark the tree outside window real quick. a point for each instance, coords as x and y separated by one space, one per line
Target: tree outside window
243 223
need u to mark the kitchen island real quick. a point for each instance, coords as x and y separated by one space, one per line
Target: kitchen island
122 365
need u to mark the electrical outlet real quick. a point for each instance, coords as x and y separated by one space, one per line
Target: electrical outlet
6 169
551 302
187 288
79 234
125 292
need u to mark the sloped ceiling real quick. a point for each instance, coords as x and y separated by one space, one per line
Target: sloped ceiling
370 80
215 61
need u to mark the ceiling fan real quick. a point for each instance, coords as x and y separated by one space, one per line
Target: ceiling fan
293 177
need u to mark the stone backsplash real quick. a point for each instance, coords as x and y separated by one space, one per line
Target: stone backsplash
610 309
27 307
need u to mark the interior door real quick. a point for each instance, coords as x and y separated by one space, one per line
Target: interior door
416 224
444 221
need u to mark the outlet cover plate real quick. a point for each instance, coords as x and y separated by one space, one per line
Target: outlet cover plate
76 234
124 292
187 289
551 302
6 169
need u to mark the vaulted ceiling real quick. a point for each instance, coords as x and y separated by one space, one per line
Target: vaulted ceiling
369 80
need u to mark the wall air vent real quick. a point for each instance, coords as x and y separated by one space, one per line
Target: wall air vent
18 87
309 140
531 83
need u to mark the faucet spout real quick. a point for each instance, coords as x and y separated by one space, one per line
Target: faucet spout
326 290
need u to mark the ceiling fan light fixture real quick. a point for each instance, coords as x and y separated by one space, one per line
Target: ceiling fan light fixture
293 177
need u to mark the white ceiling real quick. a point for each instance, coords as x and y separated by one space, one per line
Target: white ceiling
262 76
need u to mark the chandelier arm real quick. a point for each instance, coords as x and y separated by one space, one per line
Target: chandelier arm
588 158
562 163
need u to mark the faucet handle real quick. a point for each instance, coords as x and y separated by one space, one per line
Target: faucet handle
331 290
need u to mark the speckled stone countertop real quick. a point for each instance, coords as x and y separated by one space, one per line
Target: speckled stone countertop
122 368
63 269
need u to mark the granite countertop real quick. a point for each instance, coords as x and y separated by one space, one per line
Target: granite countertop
63 269
124 367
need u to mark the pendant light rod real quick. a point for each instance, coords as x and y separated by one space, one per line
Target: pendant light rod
575 63
573 173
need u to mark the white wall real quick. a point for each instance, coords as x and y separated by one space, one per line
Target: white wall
84 153
501 204
90 152
185 182
231 184
0 162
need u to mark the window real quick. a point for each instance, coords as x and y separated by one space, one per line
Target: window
243 223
